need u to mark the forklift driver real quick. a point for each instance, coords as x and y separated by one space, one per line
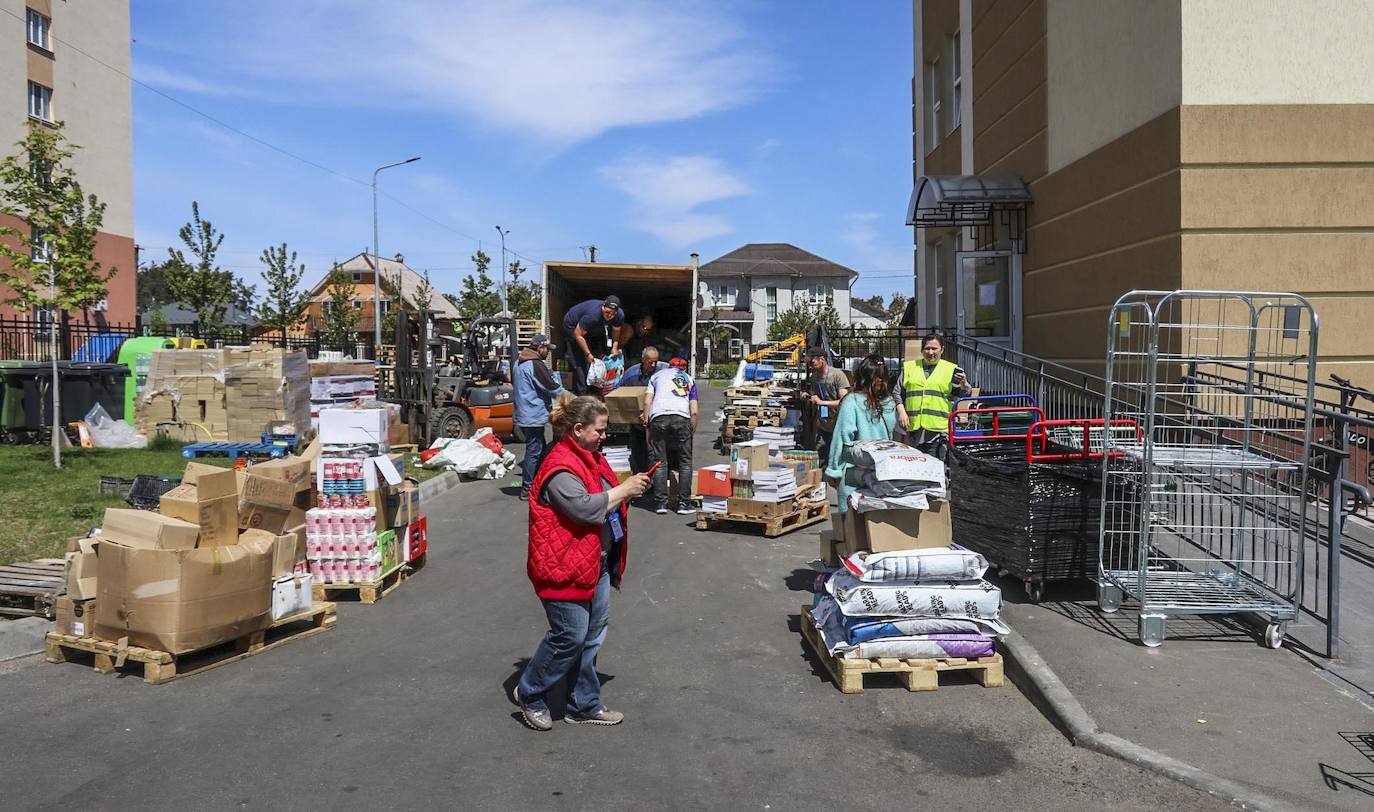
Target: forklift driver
594 330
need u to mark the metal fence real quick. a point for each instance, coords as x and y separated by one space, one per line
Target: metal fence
78 338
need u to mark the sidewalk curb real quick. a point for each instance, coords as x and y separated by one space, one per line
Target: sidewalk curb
1034 677
440 484
22 637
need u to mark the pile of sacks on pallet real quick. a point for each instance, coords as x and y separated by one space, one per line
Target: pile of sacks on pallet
893 583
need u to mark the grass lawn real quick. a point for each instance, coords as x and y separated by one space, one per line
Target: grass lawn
44 507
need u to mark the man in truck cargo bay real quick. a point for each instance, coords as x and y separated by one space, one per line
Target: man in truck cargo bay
592 328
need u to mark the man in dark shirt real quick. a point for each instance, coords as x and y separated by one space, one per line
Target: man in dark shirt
592 329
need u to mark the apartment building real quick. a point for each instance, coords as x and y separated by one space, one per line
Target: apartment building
1066 151
50 70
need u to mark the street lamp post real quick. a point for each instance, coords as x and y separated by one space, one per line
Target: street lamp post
503 233
377 262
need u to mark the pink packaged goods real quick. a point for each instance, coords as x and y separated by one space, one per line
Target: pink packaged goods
341 541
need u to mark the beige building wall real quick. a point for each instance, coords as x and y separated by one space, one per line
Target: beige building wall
1113 66
95 103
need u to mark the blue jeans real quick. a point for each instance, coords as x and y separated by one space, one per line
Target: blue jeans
535 449
576 631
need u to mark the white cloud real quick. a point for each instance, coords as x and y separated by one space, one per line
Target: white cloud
667 191
164 79
558 72
877 244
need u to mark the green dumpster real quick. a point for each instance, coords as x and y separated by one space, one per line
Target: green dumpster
137 355
11 397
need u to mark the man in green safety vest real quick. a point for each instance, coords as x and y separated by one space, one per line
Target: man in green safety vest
923 397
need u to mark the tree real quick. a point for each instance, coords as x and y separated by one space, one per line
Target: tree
51 268
453 300
478 297
341 318
286 301
157 322
200 284
424 294
522 297
718 334
391 292
152 287
895 308
799 319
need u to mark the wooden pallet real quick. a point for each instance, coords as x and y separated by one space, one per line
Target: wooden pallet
162 666
773 526
29 588
915 675
752 391
751 422
370 591
736 412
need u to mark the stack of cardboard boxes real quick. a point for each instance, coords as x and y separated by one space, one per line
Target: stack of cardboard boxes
234 395
791 484
366 520
267 391
184 396
339 384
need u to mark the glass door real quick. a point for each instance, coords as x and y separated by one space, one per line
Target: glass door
988 297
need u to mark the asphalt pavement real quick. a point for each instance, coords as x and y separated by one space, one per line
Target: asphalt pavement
406 704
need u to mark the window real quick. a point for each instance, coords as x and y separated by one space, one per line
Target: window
40 102
38 30
43 318
956 97
357 277
102 306
770 297
736 347
724 296
357 304
821 293
933 104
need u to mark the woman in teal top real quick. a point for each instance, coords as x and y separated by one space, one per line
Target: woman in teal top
867 413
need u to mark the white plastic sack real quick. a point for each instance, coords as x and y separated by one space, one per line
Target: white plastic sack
891 460
596 373
864 501
862 629
106 432
471 458
954 599
934 564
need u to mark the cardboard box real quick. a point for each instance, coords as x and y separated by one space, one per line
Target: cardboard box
81 568
354 427
888 530
625 405
75 617
290 595
186 599
837 525
389 547
814 476
855 533
270 504
713 480
378 472
195 470
148 530
298 471
829 554
275 520
287 548
416 542
758 507
212 504
403 504
748 457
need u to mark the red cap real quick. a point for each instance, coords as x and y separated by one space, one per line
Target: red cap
678 363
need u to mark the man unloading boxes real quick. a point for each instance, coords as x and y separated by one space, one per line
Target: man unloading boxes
592 329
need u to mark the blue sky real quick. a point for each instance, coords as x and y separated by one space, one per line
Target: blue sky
650 129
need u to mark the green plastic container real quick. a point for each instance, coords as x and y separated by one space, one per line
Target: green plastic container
137 355
11 397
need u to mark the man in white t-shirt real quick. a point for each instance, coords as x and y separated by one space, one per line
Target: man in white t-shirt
670 415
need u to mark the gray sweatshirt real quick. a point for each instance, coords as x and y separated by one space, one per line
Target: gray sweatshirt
565 493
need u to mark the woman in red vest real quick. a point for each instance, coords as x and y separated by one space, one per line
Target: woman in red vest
577 547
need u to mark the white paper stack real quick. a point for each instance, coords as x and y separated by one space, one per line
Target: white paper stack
618 456
713 504
775 484
777 437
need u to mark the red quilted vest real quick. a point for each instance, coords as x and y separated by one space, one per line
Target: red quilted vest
564 560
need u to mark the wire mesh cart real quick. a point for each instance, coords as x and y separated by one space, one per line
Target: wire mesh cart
1028 493
1204 512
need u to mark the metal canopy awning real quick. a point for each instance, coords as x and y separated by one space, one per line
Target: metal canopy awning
964 200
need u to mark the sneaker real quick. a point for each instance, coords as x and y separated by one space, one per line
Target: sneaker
601 717
534 718
686 509
524 495
661 509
